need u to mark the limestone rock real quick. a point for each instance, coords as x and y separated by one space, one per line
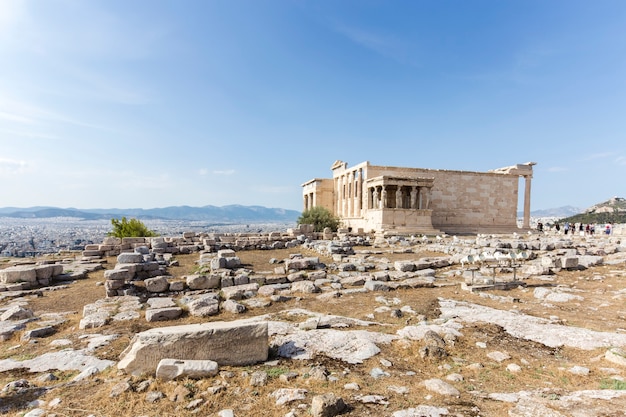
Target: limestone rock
258 379
163 314
327 405
441 387
306 287
118 274
203 282
169 369
239 292
616 355
16 312
348 346
19 273
157 284
233 306
422 411
287 395
129 258
217 340
204 306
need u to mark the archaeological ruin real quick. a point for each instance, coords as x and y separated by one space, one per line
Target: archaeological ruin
399 200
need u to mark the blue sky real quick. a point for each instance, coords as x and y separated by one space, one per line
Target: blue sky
154 103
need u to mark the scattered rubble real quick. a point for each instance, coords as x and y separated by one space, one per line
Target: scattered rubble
140 289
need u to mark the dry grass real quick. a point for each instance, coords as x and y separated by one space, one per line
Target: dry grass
542 367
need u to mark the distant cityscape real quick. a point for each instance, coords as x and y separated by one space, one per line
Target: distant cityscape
33 237
24 236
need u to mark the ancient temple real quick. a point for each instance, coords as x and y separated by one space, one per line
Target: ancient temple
398 200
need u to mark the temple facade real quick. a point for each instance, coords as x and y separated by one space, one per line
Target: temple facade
397 200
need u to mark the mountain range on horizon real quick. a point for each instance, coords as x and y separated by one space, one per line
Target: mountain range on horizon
225 214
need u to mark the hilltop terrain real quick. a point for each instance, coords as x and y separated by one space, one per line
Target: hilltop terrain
386 336
610 211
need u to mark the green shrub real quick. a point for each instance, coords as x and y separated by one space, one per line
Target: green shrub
130 228
320 218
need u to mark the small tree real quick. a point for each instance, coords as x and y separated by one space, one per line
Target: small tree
320 218
130 228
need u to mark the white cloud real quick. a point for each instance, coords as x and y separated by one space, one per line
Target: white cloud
620 160
11 167
12 117
203 171
599 155
224 172
386 45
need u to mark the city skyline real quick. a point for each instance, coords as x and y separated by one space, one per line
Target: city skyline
162 103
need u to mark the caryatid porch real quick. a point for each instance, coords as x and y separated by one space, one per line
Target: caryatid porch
398 205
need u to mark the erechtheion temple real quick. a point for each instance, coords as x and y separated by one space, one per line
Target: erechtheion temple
397 200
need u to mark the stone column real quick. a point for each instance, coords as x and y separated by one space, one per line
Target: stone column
420 198
375 201
343 195
383 197
526 224
358 198
350 196
414 197
338 196
399 197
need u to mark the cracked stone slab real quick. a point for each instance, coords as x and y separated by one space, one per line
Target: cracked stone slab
64 360
531 328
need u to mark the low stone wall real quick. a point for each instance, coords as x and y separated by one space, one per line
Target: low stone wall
190 242
24 277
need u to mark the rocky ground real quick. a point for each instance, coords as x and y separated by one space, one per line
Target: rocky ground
398 328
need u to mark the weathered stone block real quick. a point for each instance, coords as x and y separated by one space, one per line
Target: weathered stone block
404 266
297 276
39 332
20 273
233 306
177 286
203 282
232 263
306 287
301 263
118 274
157 284
133 240
16 312
226 253
44 271
239 292
129 258
376 286
163 314
567 262
204 306
113 284
217 341
169 369
218 263
111 241
241 279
